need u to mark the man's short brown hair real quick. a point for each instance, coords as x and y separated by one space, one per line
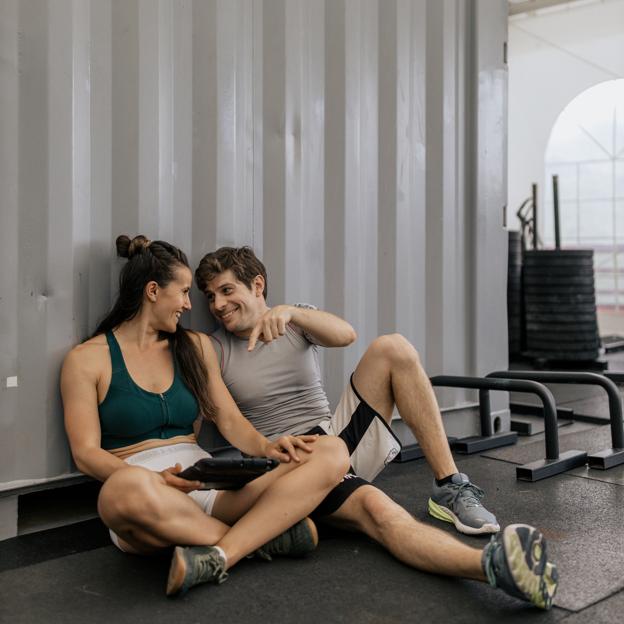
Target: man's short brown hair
242 261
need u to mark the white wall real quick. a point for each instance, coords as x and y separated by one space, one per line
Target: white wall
553 56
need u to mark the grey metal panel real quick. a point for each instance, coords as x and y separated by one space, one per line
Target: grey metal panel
402 143
101 281
335 175
9 227
29 437
358 145
125 122
488 331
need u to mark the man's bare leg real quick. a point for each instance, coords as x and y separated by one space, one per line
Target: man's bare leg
416 544
390 373
516 560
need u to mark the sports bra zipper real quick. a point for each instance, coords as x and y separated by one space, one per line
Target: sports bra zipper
165 409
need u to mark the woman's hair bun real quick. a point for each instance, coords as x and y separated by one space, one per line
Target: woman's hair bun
127 248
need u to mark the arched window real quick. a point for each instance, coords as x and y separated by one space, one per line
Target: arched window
586 151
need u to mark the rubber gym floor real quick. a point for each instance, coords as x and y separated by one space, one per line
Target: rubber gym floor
74 574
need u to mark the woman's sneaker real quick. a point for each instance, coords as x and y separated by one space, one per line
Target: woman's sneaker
297 541
516 561
459 502
193 565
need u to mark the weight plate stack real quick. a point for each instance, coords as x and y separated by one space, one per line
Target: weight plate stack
560 305
514 294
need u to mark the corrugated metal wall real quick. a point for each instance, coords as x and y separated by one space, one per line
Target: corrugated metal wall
358 145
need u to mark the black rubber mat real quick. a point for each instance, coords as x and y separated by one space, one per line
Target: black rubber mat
590 439
609 610
348 579
614 475
581 518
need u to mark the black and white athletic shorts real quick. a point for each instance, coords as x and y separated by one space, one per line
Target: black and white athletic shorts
372 446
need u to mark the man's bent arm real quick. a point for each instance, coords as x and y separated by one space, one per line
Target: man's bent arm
327 329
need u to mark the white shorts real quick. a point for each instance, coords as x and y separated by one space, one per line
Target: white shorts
371 443
162 457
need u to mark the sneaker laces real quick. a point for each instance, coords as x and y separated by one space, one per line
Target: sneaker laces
210 566
471 494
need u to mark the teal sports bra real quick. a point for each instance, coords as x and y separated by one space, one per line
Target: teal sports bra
129 414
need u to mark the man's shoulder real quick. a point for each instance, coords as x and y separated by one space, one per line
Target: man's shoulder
220 335
222 342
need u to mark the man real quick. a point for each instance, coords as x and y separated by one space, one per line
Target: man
269 363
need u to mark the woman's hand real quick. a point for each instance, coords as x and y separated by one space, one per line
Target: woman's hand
184 485
285 448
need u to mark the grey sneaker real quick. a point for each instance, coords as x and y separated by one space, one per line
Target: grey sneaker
192 565
516 561
297 541
459 502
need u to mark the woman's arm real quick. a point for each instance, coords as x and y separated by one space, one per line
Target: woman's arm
234 427
82 424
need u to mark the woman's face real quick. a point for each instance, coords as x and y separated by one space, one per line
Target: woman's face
172 300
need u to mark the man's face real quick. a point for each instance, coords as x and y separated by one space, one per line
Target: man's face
233 304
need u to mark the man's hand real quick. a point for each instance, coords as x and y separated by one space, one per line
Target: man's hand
184 485
285 448
271 325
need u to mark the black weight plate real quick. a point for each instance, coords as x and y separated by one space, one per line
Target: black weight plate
549 307
530 269
533 258
546 338
569 322
569 294
561 317
570 356
537 254
590 331
531 290
553 300
562 264
559 280
562 346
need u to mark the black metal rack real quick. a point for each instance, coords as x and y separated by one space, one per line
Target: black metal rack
602 459
554 463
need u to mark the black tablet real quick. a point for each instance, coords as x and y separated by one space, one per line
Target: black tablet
227 473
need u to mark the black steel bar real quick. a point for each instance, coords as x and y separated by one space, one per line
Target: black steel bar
593 379
616 377
534 196
485 413
512 385
555 181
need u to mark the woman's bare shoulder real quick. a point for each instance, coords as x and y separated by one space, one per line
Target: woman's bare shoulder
90 353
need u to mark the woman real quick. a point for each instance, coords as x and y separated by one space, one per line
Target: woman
132 395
